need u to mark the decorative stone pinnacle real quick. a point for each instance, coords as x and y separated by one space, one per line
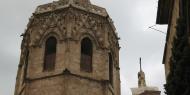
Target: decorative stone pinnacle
141 77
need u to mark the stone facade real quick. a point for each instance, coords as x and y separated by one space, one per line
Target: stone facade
69 21
171 18
169 13
177 49
172 33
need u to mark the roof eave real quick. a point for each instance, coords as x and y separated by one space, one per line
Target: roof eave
163 12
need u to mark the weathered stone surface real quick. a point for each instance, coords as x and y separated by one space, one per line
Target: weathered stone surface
69 21
171 36
145 91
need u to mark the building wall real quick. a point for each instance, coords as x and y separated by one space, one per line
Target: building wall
171 35
66 85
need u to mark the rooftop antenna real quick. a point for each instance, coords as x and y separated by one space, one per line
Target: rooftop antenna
152 27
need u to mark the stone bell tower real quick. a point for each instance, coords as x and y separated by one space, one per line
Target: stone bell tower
70 47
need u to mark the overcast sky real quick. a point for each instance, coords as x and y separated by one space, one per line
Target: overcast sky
131 18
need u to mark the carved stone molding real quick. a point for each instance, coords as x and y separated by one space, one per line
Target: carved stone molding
70 24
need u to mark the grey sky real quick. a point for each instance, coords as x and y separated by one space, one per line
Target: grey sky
131 18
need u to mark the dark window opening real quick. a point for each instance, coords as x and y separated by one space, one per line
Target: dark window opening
50 54
86 55
110 69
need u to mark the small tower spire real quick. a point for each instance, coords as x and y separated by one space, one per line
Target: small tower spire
140 65
141 77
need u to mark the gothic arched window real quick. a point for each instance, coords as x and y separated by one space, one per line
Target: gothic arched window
111 69
50 54
86 55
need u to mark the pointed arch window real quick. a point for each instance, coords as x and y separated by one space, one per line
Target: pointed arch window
110 69
86 55
50 54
